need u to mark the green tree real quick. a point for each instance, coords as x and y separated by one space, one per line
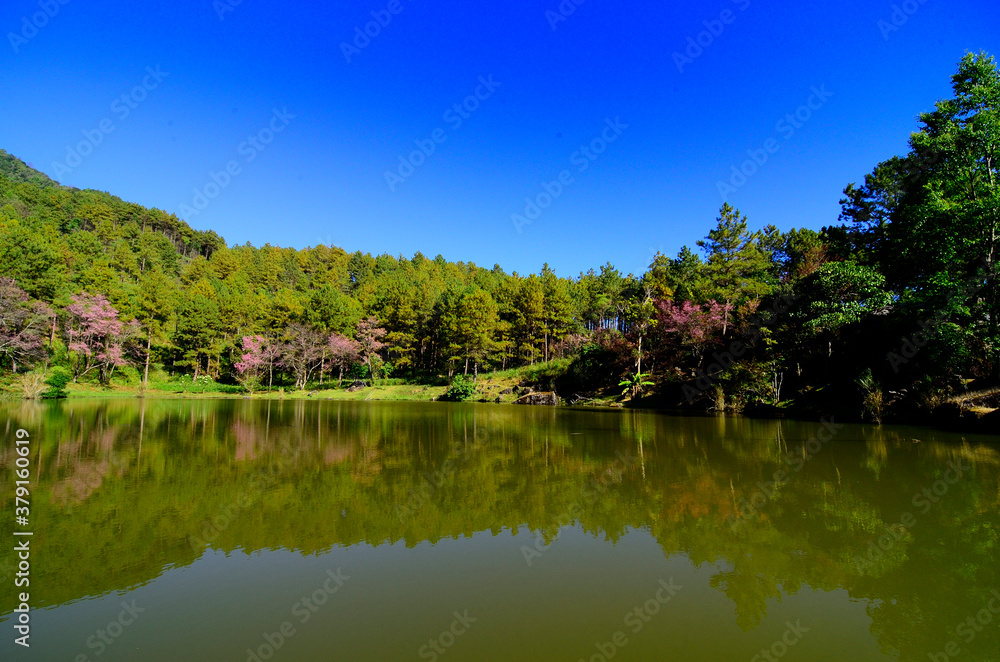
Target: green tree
559 313
156 305
477 321
736 264
198 326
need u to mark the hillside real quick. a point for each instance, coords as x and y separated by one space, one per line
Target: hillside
18 171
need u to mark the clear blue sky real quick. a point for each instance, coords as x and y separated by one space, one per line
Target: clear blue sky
322 178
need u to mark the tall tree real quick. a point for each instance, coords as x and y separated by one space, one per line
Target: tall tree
735 262
369 336
302 352
22 325
344 352
558 309
477 325
932 217
97 335
156 305
198 326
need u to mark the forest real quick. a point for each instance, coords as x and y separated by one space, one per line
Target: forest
888 312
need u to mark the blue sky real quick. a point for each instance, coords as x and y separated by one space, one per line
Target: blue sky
164 98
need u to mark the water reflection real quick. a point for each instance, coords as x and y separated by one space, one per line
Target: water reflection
128 490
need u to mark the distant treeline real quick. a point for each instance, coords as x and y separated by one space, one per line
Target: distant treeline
896 304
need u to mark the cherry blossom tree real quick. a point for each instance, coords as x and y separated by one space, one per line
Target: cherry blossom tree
252 363
22 325
302 352
695 327
343 352
369 337
97 335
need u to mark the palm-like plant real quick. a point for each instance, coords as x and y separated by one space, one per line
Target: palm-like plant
635 383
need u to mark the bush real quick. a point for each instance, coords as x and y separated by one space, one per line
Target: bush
462 388
57 381
31 384
128 374
599 365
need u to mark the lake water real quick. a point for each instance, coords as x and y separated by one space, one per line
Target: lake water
299 530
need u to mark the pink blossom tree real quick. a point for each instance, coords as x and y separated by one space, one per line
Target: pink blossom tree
252 363
343 352
302 352
369 337
695 327
22 324
97 335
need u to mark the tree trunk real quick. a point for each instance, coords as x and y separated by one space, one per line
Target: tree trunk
638 365
145 374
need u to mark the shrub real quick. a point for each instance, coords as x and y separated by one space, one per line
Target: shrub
462 388
57 381
31 384
872 402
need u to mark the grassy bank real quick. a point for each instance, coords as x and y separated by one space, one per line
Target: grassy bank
498 386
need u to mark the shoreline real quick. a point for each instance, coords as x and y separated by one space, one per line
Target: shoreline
953 420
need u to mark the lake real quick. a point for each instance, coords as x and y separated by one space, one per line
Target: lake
300 530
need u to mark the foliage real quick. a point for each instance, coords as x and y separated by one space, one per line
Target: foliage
344 352
906 287
462 388
252 363
97 335
872 397
56 381
21 325
634 384
31 385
